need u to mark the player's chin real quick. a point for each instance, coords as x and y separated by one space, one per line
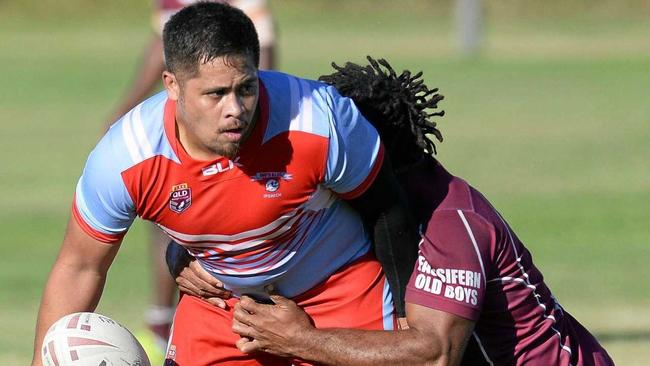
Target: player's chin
228 150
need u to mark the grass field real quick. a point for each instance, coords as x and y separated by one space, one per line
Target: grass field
551 123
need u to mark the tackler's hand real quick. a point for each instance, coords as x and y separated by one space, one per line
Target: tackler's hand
278 328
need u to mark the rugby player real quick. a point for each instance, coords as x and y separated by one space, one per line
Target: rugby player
265 178
158 315
475 297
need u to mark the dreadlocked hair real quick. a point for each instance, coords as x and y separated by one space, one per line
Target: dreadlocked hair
399 106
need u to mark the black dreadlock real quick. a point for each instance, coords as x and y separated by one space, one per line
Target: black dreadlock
396 105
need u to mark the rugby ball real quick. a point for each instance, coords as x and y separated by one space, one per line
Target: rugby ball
90 339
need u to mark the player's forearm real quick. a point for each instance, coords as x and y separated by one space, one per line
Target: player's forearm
374 348
69 289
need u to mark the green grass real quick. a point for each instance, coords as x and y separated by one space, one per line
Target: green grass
551 124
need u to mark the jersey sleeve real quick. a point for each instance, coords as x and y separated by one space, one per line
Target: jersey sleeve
355 152
453 260
102 205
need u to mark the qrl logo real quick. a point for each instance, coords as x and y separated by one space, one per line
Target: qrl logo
180 198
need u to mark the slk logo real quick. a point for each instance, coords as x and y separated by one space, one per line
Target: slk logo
219 168
181 198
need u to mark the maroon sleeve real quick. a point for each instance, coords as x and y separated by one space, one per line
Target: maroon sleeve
454 258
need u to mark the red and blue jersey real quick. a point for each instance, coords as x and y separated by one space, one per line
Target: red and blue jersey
273 215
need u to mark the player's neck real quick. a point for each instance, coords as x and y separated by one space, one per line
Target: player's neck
192 147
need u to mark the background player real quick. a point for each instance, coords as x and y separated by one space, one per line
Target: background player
158 316
248 170
152 63
474 280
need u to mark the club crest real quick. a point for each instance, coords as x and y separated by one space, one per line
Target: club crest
272 185
271 181
180 198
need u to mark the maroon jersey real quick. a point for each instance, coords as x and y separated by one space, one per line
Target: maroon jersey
472 264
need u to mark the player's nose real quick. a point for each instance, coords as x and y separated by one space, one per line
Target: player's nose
233 106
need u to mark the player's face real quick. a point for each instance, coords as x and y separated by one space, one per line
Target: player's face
216 108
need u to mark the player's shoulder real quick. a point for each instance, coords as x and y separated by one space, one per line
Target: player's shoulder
287 86
451 192
136 136
296 104
457 196
462 197
459 217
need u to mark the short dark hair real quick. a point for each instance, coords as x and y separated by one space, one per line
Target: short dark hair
399 106
204 31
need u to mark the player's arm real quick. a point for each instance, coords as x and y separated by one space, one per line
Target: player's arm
148 75
76 281
434 337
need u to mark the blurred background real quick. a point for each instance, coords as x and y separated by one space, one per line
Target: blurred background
547 114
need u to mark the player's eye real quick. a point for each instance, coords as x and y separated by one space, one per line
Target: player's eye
218 93
248 89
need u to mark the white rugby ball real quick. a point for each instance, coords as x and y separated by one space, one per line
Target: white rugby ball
90 339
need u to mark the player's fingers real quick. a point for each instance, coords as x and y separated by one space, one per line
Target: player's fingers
241 343
281 300
209 290
242 315
250 305
218 302
221 292
402 324
204 275
247 345
188 287
243 329
185 290
193 285
202 288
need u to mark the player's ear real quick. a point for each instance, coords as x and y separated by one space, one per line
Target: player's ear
171 85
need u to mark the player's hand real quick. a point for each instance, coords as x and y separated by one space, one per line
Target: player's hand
278 328
402 324
196 281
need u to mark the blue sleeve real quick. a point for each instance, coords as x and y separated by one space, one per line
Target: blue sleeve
103 206
355 152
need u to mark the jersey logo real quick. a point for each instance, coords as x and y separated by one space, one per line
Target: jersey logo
219 168
272 185
272 182
181 198
266 175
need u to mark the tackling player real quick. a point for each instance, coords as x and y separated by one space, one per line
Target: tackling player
250 171
474 282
